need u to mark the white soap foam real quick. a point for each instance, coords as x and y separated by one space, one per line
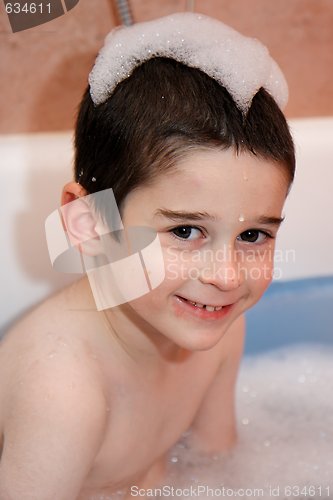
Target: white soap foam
285 421
239 63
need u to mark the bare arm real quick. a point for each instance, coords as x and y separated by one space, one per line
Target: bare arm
54 426
214 427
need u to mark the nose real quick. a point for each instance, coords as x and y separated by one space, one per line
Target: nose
223 271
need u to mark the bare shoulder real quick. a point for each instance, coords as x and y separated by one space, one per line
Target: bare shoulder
52 404
45 352
50 345
61 311
60 321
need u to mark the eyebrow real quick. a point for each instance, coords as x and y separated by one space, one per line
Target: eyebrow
190 216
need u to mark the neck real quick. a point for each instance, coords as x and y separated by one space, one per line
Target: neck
136 339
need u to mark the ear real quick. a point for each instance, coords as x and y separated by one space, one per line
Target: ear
79 221
71 191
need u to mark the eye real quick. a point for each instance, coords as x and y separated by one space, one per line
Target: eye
254 236
187 233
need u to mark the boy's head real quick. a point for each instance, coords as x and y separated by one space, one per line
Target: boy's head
170 139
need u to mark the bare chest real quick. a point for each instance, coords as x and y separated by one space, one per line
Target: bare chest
149 416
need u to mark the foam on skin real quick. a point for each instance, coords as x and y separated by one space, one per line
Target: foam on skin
241 64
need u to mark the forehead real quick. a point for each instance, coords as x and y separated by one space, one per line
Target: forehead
225 172
219 182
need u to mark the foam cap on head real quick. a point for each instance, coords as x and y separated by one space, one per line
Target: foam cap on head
241 64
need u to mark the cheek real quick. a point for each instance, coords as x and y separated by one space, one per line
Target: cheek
177 266
147 305
259 275
155 299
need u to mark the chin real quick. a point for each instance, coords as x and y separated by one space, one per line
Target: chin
199 341
204 346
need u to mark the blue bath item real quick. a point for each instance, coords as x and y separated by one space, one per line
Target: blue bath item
291 312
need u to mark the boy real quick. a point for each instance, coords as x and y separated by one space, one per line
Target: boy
91 402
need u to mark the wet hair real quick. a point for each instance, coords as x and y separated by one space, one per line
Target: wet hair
161 113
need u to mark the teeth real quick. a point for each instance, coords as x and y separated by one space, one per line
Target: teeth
208 308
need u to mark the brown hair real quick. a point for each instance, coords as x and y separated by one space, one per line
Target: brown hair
160 113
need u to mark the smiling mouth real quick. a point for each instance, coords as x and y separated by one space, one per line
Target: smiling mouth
203 306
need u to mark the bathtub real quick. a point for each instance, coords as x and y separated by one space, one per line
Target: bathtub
297 306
